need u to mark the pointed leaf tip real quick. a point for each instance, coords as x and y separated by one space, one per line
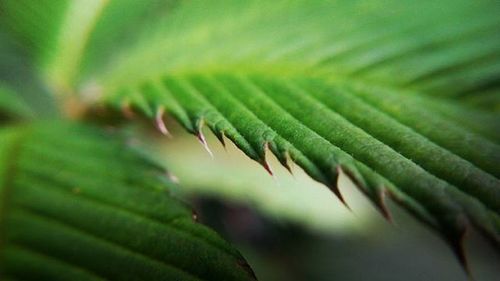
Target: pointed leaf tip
203 141
287 163
267 167
160 123
264 162
382 205
336 190
220 137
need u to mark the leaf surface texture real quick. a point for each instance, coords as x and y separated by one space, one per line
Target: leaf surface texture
402 96
76 204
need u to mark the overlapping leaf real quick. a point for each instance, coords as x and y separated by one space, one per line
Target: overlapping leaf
370 88
78 205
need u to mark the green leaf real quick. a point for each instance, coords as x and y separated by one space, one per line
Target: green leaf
373 89
78 205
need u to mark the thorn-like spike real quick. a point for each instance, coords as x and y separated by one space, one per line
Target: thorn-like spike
336 189
337 193
160 123
269 170
203 141
288 168
201 137
288 162
267 167
382 204
220 137
264 162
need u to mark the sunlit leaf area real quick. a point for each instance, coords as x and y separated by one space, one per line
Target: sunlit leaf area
287 140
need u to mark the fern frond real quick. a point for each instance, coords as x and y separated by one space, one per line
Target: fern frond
370 89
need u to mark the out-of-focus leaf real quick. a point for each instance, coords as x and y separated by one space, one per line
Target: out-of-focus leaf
78 205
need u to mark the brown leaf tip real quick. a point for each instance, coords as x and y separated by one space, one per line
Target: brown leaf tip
336 190
203 141
264 162
382 204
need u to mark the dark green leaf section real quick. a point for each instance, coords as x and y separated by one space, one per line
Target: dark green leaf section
78 205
